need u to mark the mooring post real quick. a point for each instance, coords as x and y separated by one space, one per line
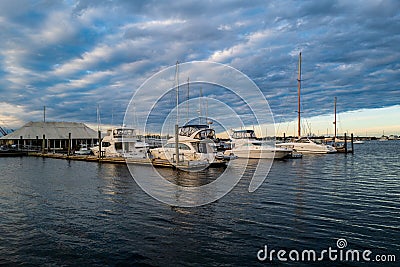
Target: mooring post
284 137
21 143
345 143
99 136
69 145
37 143
43 143
176 143
352 144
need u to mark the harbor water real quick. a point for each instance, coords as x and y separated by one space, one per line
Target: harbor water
60 212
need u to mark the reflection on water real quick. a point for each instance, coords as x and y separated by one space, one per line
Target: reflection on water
57 212
190 179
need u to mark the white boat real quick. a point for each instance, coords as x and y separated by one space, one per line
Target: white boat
195 143
383 138
306 146
244 144
83 150
121 142
358 142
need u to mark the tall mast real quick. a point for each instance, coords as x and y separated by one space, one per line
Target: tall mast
187 102
177 91
298 98
334 123
177 114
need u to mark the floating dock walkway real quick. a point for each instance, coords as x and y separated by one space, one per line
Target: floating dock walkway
122 160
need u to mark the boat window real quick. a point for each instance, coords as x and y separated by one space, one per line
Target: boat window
183 147
118 133
171 145
244 134
256 144
188 130
127 146
118 145
202 147
207 133
105 144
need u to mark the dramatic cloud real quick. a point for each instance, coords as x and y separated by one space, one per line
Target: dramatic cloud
73 56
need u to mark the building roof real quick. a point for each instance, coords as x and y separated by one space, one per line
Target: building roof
52 130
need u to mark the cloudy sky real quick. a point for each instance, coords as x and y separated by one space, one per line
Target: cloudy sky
73 56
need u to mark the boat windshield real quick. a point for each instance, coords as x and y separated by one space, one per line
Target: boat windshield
256 144
188 130
244 134
203 134
180 146
119 133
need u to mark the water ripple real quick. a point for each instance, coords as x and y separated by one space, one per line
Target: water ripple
55 212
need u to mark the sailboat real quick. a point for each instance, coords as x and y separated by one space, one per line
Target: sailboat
304 144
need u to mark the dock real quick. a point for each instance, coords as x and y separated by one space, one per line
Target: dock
12 153
343 148
122 160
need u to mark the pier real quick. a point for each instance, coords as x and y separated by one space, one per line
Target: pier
91 158
122 160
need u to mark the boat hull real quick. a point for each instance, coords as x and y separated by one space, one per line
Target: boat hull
261 154
306 148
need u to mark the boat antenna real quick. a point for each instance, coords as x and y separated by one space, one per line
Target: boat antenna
98 117
298 98
201 95
208 122
44 113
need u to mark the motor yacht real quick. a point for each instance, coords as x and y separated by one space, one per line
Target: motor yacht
121 142
244 144
195 144
307 146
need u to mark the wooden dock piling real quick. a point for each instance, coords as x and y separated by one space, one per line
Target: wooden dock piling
99 135
43 144
69 144
352 143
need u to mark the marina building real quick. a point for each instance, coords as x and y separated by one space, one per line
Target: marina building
51 136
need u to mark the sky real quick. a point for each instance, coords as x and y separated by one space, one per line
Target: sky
75 57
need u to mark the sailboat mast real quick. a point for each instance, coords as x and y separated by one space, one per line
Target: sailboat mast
177 114
298 98
187 102
334 123
177 91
